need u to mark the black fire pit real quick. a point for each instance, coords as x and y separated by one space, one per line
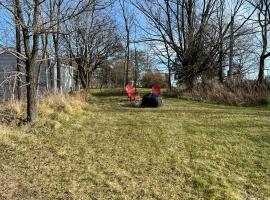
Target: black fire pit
151 100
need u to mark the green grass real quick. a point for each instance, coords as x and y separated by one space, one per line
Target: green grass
107 150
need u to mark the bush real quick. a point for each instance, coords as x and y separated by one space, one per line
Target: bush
232 91
155 77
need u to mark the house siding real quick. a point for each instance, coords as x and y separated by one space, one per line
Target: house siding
8 64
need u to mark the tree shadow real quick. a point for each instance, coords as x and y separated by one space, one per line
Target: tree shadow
172 94
109 93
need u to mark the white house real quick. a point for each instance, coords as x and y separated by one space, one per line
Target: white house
8 76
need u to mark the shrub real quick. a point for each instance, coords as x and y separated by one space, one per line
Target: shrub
155 77
232 91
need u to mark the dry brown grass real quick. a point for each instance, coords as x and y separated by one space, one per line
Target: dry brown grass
232 92
104 150
53 109
11 113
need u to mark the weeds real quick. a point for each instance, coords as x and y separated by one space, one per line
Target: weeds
232 92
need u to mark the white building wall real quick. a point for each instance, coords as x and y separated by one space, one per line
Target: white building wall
8 64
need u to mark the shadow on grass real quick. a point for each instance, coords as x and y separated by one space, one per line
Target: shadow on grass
168 94
130 104
108 93
11 119
260 103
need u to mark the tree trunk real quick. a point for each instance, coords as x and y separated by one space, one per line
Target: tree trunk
45 57
264 33
221 58
47 62
52 77
29 31
19 51
127 29
82 76
169 79
261 69
126 67
221 69
76 78
190 82
56 47
136 70
38 78
220 13
231 53
127 61
58 60
32 113
31 55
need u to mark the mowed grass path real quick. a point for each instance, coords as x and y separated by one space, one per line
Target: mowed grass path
184 150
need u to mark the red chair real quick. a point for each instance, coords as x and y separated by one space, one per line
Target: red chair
132 94
155 89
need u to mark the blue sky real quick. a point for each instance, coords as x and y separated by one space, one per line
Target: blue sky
7 33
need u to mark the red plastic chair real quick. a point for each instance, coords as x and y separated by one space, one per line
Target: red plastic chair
132 94
156 89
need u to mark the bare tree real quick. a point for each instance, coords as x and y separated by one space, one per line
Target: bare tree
128 21
189 29
231 47
31 22
165 57
18 49
30 31
264 24
91 40
55 12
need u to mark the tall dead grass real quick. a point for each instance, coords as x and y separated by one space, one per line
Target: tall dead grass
53 109
63 103
233 92
11 113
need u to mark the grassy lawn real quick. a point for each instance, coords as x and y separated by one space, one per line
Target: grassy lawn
106 150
